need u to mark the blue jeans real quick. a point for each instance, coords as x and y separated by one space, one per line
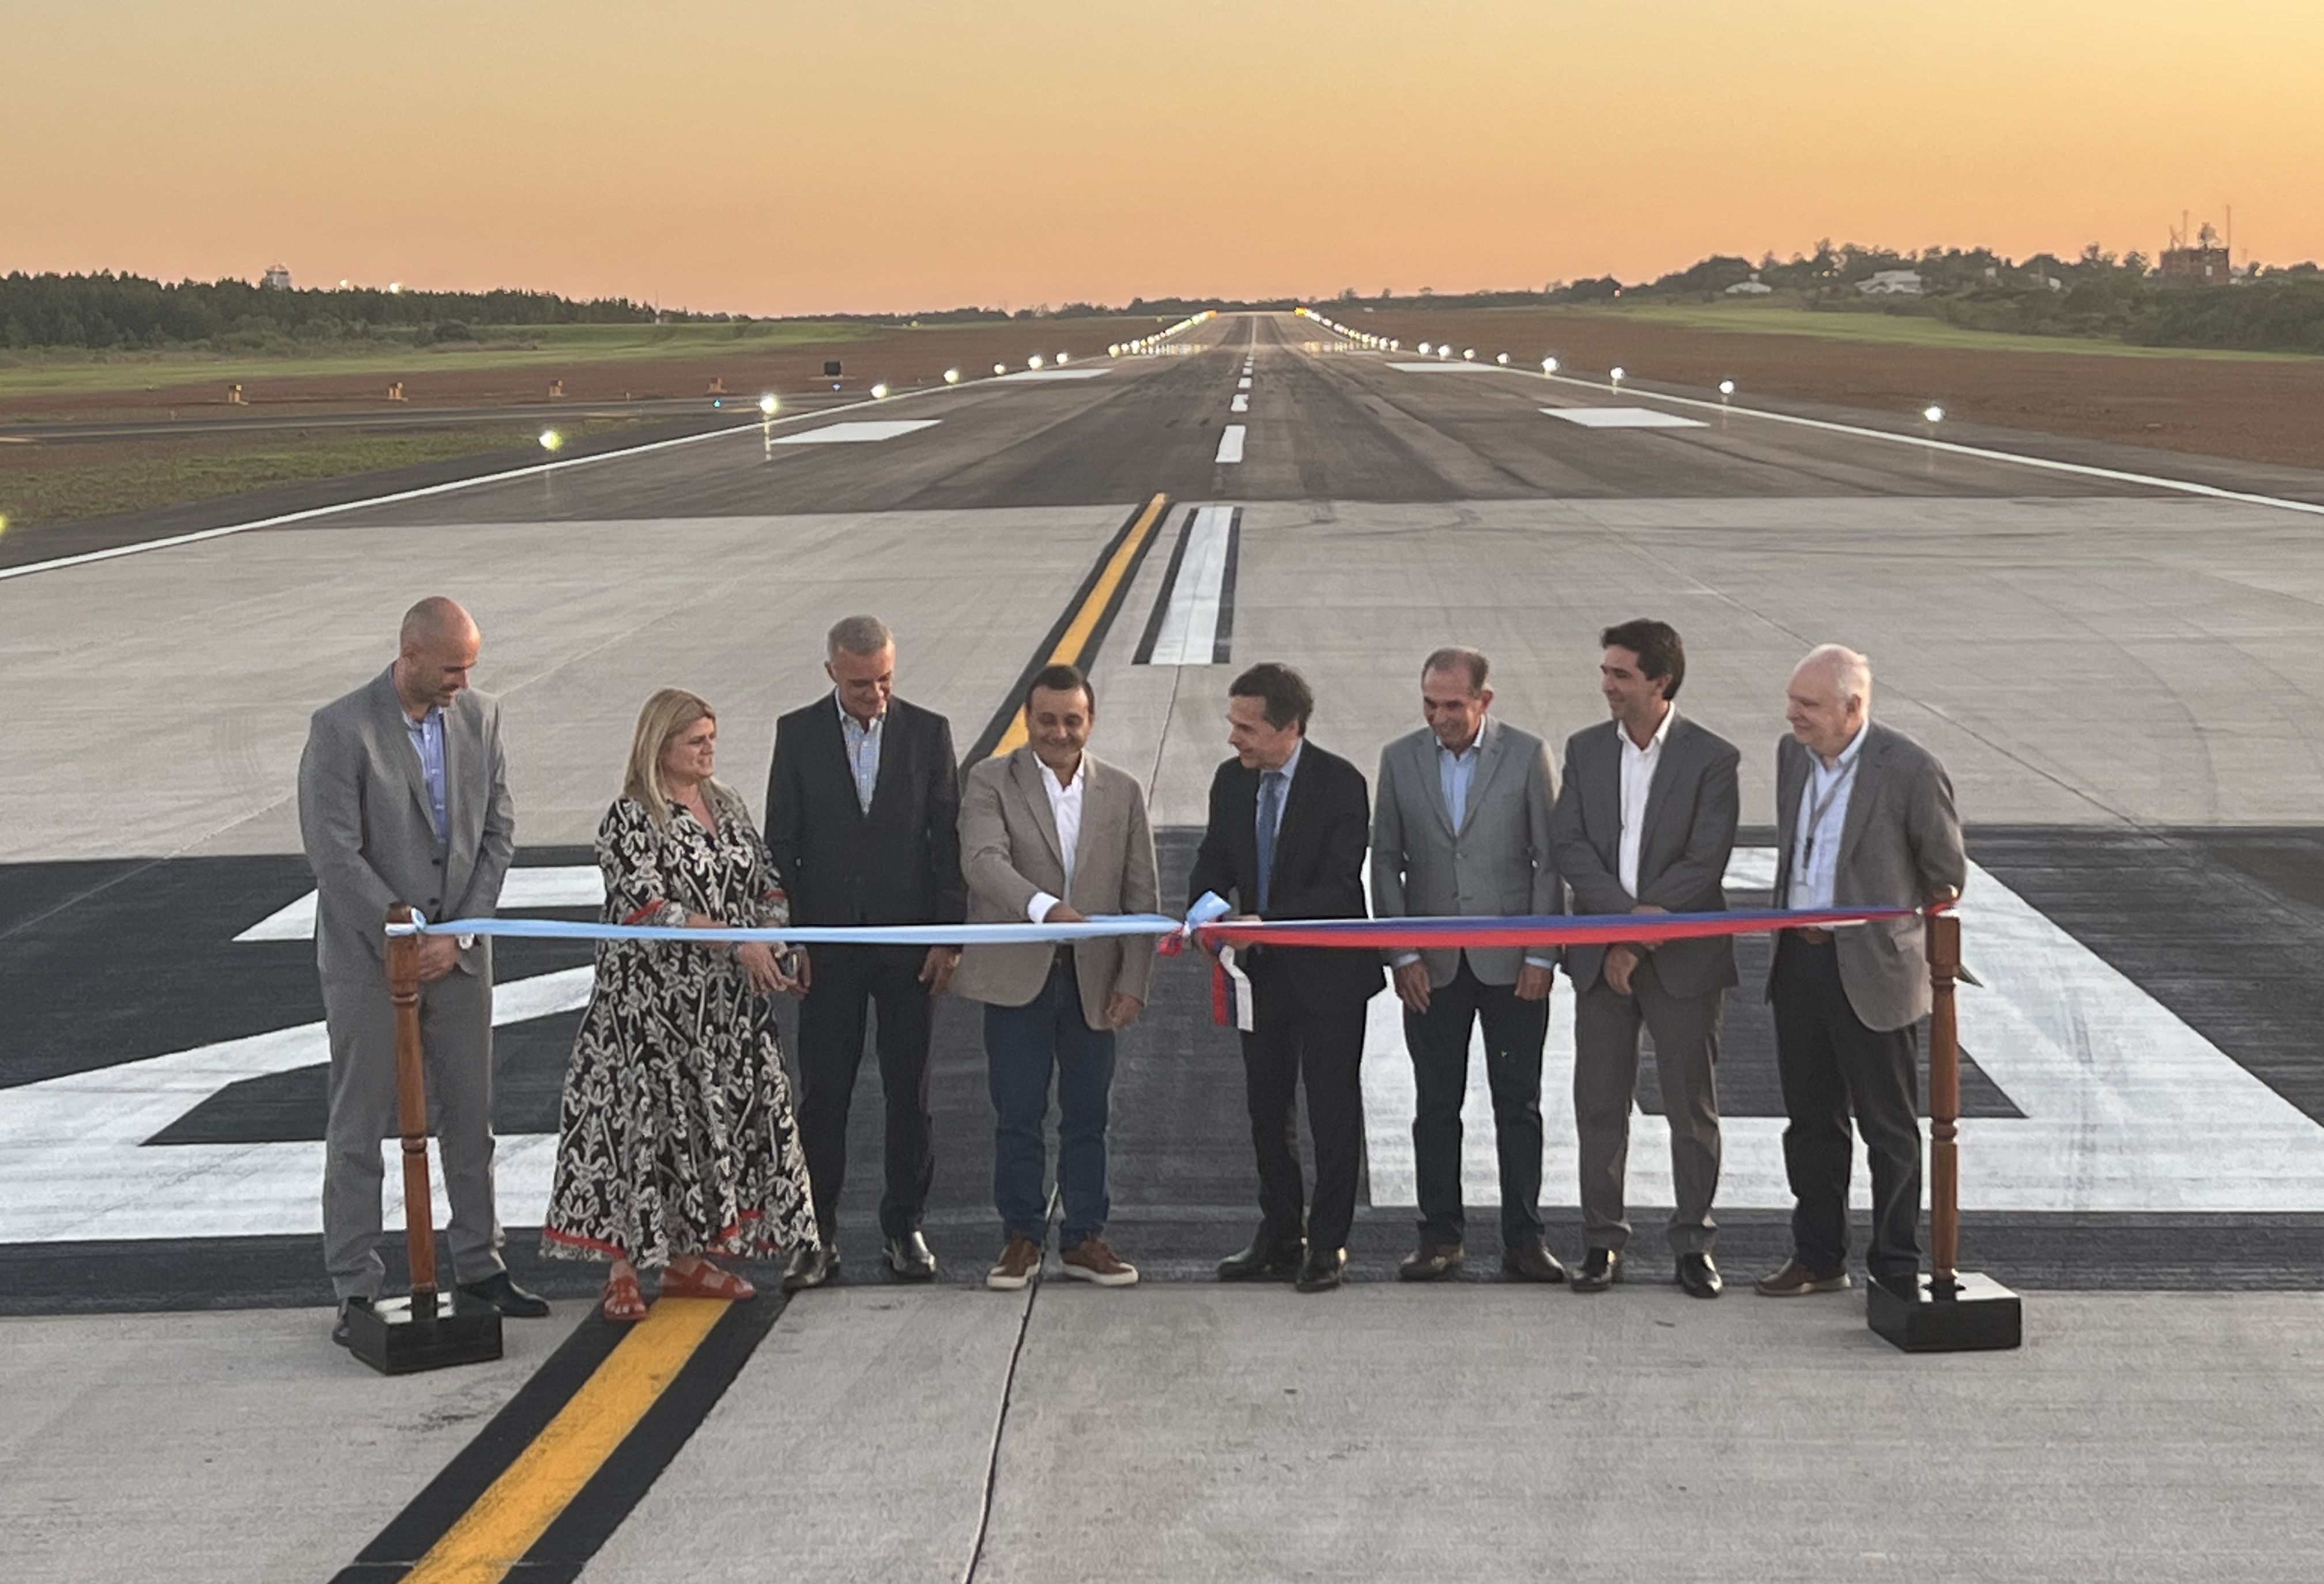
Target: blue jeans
1023 1045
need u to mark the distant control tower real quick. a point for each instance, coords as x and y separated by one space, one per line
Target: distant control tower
277 277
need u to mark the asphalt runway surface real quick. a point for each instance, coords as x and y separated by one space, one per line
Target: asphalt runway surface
2121 677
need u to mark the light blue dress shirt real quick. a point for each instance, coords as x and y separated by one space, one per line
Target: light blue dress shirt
1822 820
863 744
427 742
1454 773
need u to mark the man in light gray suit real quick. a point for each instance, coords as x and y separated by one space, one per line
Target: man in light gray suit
1644 824
1864 817
1461 826
1049 835
403 797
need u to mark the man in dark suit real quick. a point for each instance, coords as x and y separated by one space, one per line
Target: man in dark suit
1287 829
1864 817
862 823
1462 828
1644 824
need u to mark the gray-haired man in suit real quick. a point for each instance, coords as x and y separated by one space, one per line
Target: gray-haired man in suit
1646 823
1048 834
403 797
1864 817
1461 826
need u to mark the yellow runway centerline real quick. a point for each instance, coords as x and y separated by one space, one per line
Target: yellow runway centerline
493 1536
1077 636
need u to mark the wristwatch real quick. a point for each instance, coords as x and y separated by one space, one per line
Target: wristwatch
464 942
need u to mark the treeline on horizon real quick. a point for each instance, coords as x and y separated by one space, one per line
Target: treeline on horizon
2093 294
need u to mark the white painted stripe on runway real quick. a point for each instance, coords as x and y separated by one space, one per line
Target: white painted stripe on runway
2126 1109
1243 383
1229 444
573 885
1190 625
1052 374
1623 418
861 432
1446 367
1239 403
1951 448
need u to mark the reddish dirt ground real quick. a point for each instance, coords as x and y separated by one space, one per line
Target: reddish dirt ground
900 358
2252 409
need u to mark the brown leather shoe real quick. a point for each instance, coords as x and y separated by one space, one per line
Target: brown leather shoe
1090 1260
1797 1281
1021 1262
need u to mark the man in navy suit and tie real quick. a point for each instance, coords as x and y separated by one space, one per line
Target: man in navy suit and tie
1289 827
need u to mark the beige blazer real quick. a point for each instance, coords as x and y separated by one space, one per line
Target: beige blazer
1009 851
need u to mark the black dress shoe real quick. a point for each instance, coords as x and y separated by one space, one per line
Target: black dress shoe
1321 1271
1699 1276
506 1296
1264 1261
339 1331
1601 1269
1431 1262
1531 1263
812 1266
912 1259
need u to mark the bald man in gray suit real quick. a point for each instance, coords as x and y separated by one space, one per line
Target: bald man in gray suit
403 797
1646 823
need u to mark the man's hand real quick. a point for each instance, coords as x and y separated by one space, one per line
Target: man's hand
1064 913
1121 1010
1412 986
935 972
800 973
1643 945
438 956
1534 981
1621 962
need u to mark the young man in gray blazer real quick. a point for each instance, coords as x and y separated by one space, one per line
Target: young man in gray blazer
1646 823
403 797
1048 834
1461 826
1864 816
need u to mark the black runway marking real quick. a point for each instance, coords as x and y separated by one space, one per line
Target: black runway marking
1222 644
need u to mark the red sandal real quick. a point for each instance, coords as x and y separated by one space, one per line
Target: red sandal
624 1303
706 1281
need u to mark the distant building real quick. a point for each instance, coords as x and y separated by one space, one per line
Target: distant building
278 277
1754 287
2204 261
1891 283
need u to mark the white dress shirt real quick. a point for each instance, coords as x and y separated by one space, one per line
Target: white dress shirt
1066 806
1823 815
1638 780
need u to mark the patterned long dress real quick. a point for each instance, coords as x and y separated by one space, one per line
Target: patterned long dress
677 1135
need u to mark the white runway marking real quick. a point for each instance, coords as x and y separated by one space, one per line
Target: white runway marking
1243 383
1446 367
1623 418
574 885
862 432
1229 444
1239 403
1190 623
1054 374
2126 1109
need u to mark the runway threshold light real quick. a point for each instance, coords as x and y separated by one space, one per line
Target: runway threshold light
1000 368
1033 362
1063 358
1549 365
1726 389
951 376
1468 355
879 392
550 441
768 405
1425 349
1503 360
1614 375
1934 413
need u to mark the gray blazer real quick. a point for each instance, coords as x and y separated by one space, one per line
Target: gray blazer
1009 850
363 816
1692 806
1901 843
1500 862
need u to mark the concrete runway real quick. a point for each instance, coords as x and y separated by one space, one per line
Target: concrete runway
2121 679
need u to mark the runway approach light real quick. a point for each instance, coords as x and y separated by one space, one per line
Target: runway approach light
951 376
1934 413
767 404
550 441
1726 388
1033 362
1503 360
878 393
1549 365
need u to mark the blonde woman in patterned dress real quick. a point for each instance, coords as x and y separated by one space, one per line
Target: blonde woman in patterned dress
678 1141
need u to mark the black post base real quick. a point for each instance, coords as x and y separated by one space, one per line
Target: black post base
1978 1312
395 1339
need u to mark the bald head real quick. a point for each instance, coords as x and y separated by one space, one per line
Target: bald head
436 649
1829 699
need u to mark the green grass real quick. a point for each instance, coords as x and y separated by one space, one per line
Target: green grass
145 474
1886 329
495 348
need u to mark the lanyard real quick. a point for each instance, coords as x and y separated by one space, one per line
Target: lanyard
1818 808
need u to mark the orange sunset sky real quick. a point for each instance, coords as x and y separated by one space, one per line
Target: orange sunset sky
886 154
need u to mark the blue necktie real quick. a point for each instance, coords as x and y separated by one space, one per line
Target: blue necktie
1271 815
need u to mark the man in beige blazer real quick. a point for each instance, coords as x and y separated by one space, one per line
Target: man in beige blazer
1050 836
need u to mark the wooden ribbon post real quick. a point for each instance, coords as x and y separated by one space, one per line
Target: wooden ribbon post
412 1110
